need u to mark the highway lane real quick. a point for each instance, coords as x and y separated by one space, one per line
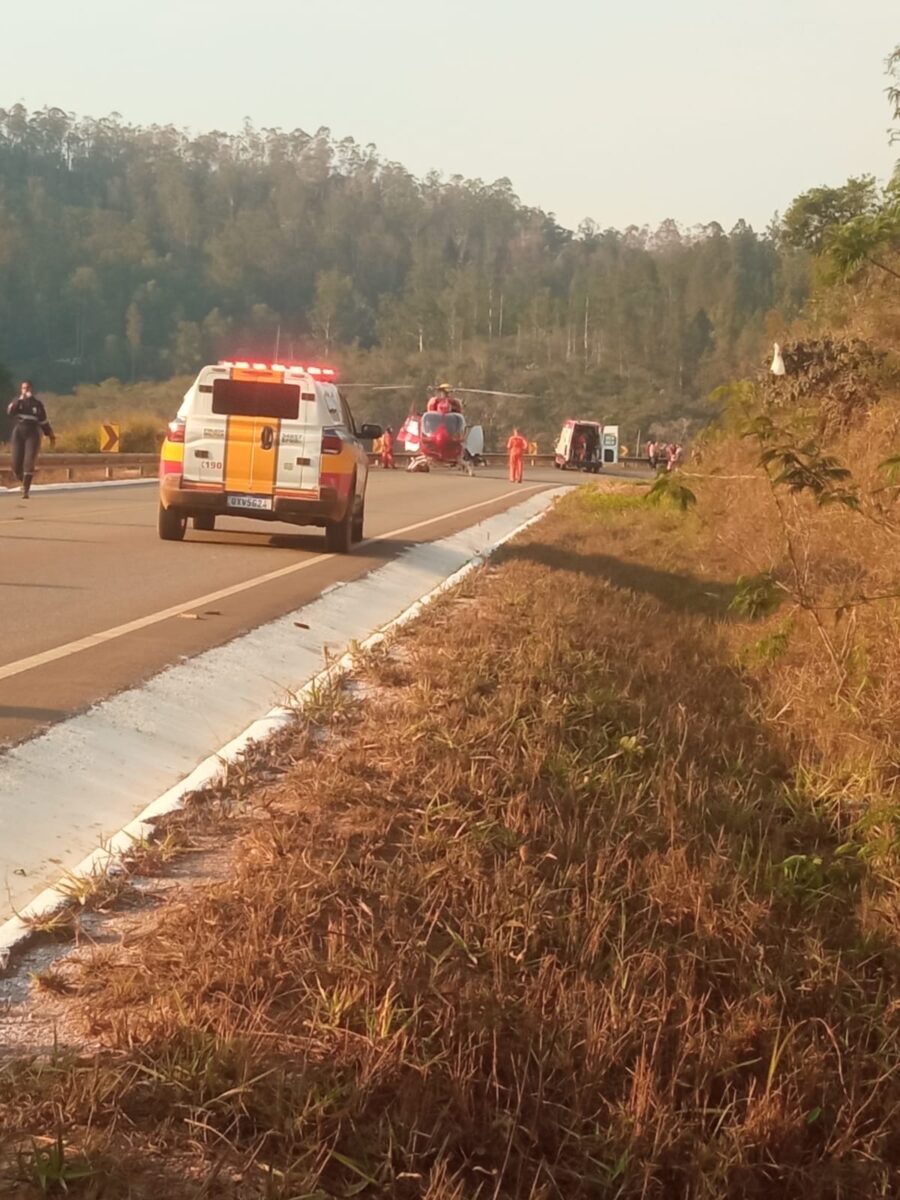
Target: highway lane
87 567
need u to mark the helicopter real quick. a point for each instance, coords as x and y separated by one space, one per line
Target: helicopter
439 436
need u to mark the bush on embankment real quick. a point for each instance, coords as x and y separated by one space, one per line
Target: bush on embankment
137 436
140 409
801 496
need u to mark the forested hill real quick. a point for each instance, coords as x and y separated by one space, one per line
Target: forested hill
141 252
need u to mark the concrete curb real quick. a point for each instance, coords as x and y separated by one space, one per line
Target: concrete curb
18 930
91 485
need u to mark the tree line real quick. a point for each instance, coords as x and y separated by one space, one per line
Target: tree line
139 253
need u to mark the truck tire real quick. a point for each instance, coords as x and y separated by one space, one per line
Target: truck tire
339 534
205 522
359 521
171 525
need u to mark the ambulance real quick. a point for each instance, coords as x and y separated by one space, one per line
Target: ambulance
271 442
586 446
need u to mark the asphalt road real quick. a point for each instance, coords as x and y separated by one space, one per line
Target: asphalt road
94 602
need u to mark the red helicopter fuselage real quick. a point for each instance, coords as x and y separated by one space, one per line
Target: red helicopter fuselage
442 431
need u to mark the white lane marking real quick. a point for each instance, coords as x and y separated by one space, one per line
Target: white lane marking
108 635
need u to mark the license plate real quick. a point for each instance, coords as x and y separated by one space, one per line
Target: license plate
264 502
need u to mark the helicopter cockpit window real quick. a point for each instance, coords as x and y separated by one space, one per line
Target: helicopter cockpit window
452 422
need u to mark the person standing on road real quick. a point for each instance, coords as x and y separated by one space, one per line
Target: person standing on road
30 419
387 450
516 447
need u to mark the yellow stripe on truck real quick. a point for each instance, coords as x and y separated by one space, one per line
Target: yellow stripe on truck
171 458
338 464
249 466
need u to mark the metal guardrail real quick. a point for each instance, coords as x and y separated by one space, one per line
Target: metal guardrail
50 460
147 464
539 460
60 458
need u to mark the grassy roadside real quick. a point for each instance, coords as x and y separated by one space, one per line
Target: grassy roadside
559 909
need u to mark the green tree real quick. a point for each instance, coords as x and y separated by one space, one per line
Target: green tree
332 314
809 220
893 91
866 242
134 329
187 353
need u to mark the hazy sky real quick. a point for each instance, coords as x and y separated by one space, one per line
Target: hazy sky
621 110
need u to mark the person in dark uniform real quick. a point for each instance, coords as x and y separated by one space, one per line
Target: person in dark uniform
30 421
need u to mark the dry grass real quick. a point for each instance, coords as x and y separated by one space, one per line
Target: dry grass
567 909
843 557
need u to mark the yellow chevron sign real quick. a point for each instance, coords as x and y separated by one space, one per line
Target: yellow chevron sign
110 442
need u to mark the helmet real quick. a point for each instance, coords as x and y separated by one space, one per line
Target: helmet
444 387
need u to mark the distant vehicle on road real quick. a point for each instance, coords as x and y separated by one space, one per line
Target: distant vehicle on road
271 442
586 446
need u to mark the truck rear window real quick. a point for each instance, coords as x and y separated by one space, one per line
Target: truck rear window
246 398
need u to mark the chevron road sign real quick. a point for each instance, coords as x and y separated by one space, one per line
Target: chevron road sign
110 442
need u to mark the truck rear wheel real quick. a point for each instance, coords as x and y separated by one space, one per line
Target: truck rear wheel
171 525
205 522
339 534
359 521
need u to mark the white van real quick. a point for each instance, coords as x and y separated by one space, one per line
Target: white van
270 442
586 446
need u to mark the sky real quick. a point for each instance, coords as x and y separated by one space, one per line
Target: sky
624 111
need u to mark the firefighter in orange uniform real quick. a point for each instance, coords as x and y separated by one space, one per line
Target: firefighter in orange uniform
387 450
516 447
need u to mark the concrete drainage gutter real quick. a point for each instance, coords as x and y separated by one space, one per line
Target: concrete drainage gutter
149 721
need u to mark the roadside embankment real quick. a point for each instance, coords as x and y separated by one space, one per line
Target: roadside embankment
554 902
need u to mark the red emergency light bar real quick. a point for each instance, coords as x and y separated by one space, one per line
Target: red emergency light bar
318 372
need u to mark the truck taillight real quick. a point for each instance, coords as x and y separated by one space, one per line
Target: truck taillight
331 443
175 431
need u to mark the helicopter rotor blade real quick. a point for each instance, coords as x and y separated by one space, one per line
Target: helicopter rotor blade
508 395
